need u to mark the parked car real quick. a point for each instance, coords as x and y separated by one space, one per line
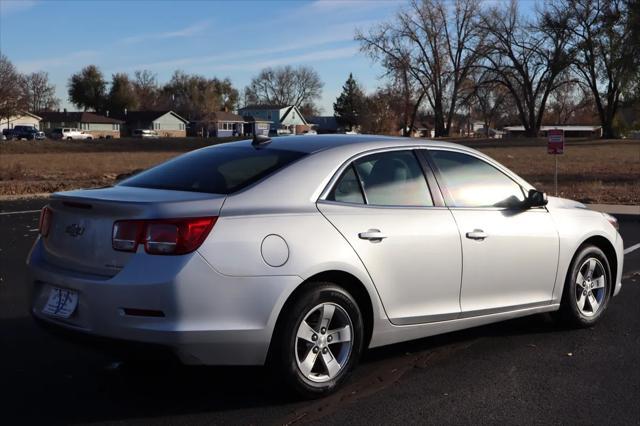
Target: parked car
310 132
7 134
68 133
145 134
26 132
303 253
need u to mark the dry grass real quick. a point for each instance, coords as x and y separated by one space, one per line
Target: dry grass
590 171
599 172
50 172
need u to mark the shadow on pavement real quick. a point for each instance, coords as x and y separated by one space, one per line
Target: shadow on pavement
54 381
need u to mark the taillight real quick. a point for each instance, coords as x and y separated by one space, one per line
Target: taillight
45 221
162 236
126 235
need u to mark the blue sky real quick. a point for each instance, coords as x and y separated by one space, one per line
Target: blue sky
232 39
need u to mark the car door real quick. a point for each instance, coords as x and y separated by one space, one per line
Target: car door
381 203
510 254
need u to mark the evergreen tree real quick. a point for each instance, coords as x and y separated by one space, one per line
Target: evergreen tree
349 107
87 89
121 95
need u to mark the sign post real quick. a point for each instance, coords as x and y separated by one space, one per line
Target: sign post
555 146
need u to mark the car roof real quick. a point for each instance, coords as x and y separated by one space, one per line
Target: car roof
336 142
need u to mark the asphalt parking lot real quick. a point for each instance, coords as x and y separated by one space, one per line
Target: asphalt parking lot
522 371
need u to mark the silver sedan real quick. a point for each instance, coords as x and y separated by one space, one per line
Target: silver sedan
300 253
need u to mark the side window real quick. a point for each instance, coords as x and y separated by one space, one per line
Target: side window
347 189
393 179
475 183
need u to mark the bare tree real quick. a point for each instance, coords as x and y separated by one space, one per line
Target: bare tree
410 90
438 42
486 98
607 57
146 90
12 97
568 103
382 112
526 57
41 96
285 86
195 97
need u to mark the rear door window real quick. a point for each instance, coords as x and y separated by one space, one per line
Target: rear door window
218 170
393 179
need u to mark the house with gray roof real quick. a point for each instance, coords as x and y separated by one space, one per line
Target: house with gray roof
99 126
285 119
166 124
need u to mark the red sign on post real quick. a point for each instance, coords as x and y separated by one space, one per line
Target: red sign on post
555 144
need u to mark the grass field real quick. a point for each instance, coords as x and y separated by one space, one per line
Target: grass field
589 171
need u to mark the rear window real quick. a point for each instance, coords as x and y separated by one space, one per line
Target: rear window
220 170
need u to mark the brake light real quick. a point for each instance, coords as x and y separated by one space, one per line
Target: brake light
126 235
162 236
45 221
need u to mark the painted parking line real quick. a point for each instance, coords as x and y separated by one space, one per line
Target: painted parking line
632 248
22 212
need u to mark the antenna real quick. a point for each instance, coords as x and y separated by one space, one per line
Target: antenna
260 141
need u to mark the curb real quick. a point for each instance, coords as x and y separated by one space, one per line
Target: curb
615 209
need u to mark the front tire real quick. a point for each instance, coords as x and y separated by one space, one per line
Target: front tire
587 288
318 341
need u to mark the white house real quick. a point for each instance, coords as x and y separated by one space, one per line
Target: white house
285 119
22 119
570 130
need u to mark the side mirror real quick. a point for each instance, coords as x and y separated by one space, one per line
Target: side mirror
536 198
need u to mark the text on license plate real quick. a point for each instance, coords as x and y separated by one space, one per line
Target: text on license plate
61 303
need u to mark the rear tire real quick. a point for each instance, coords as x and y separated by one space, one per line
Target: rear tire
318 341
587 289
69 138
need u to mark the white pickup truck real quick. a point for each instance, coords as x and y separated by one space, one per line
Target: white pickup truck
69 133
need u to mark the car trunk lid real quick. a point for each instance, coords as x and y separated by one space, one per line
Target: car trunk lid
81 228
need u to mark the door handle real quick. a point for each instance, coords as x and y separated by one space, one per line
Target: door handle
372 235
477 234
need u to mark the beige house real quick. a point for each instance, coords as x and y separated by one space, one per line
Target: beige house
22 119
98 125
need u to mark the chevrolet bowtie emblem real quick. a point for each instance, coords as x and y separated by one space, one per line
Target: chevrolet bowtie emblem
74 230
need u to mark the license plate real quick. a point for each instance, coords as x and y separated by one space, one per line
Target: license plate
62 302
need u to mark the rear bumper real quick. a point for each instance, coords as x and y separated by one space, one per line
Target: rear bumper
209 318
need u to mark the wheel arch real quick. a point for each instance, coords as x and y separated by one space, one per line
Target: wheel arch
349 282
607 247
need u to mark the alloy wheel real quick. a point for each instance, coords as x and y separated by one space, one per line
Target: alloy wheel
324 342
591 287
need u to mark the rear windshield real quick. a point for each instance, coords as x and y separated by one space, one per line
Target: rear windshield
220 170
